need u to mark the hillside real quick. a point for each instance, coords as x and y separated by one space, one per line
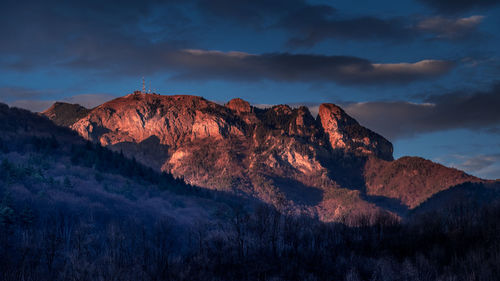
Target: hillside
65 114
44 165
329 166
411 180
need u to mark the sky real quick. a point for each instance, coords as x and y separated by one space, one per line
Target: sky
423 73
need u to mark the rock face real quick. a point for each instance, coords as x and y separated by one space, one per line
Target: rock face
239 106
136 117
345 133
326 166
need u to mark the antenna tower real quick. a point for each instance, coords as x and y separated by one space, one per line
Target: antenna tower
143 85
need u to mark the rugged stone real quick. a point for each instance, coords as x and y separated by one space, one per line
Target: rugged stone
239 106
172 119
328 166
345 133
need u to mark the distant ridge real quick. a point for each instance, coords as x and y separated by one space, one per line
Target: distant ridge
65 114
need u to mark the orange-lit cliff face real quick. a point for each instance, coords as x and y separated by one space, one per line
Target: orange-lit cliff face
177 119
326 165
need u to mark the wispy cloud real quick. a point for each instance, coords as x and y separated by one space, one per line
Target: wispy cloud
450 28
479 162
9 93
85 100
482 165
32 105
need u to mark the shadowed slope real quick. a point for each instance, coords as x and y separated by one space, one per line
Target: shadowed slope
48 165
65 114
411 179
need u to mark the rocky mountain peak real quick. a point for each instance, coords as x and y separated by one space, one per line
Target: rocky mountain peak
173 120
345 133
303 123
304 116
282 109
239 106
179 118
332 110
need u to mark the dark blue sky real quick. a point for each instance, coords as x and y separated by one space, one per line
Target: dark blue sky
424 73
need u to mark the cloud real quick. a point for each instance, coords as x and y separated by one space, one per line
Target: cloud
116 59
144 37
32 105
196 64
450 28
424 68
10 93
85 100
200 64
494 130
479 162
491 172
38 100
89 100
308 33
486 166
457 110
257 13
82 37
401 119
306 23
59 33
454 6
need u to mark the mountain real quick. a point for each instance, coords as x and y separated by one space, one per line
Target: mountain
46 167
329 166
73 209
65 114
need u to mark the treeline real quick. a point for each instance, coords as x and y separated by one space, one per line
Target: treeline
460 243
106 161
88 155
26 133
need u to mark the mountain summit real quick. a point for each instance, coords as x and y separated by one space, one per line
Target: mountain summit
175 119
330 166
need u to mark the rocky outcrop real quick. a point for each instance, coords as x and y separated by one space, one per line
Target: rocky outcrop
326 166
173 119
345 133
239 106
